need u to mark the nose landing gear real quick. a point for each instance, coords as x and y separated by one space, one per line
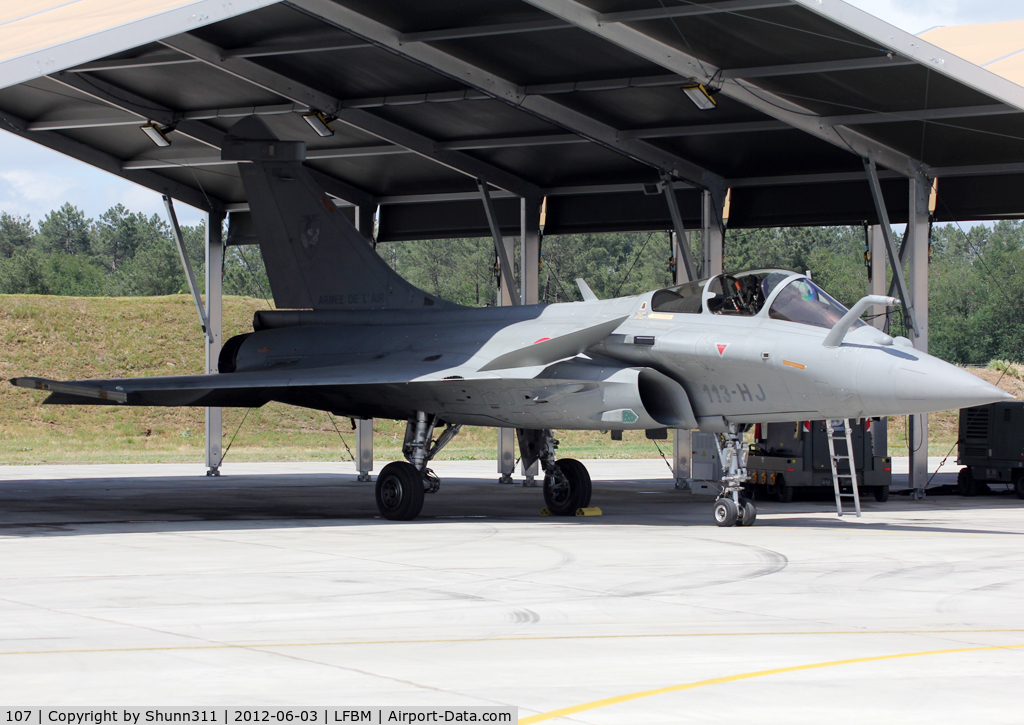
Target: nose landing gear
566 482
732 509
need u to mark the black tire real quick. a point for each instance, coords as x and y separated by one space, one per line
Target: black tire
881 493
725 512
747 514
783 492
399 491
965 483
1018 486
563 497
583 476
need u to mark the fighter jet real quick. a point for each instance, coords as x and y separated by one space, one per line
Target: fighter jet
357 340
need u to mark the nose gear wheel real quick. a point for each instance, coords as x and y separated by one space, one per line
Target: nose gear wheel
567 488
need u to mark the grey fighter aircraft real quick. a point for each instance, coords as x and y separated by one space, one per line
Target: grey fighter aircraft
717 354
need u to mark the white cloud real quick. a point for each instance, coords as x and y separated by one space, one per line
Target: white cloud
35 180
28 187
915 16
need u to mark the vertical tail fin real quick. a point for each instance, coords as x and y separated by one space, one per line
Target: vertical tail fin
315 257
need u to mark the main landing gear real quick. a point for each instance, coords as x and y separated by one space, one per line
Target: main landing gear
732 509
566 482
401 485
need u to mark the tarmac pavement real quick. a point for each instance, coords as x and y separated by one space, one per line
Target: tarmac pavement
277 584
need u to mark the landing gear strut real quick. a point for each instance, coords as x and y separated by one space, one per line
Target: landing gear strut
566 482
401 485
732 509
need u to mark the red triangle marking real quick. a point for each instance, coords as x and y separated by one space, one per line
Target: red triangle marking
721 347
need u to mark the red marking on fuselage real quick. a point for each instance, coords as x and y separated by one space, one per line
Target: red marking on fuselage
721 347
543 339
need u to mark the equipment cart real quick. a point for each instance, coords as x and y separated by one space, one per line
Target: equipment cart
786 456
991 447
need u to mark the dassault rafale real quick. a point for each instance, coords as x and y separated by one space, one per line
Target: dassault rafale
718 354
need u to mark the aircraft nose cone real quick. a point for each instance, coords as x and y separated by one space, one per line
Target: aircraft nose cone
930 385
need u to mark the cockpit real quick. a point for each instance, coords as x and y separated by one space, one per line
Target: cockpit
787 295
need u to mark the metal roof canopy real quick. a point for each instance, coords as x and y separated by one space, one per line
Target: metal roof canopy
579 102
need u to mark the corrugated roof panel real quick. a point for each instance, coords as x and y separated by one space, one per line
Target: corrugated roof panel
982 43
1011 68
45 36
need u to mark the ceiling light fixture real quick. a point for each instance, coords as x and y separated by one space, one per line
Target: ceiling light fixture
319 123
156 134
701 96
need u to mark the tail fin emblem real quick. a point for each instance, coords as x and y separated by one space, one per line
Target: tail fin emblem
310 234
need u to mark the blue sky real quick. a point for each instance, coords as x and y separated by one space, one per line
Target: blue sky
35 180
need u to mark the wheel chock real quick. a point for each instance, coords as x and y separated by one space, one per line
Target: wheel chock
590 511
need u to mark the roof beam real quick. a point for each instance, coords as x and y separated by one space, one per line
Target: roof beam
170 161
797 179
482 31
541 24
142 107
142 61
312 44
933 114
508 92
775 106
978 170
690 10
198 130
853 119
828 66
709 129
96 122
111 164
387 130
748 182
133 119
469 144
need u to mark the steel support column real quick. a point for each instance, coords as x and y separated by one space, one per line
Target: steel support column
682 449
364 428
713 233
365 215
895 259
214 269
529 252
501 248
364 448
186 265
876 248
506 296
529 280
680 245
918 232
680 251
681 443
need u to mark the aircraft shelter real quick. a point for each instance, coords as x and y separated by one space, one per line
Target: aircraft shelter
519 118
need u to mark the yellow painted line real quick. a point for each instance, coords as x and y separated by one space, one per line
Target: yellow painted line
565 711
798 366
471 640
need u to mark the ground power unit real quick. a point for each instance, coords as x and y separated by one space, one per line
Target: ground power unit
991 447
790 456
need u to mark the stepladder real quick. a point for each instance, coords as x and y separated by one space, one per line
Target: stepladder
844 469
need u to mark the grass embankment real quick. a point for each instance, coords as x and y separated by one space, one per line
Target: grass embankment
75 338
